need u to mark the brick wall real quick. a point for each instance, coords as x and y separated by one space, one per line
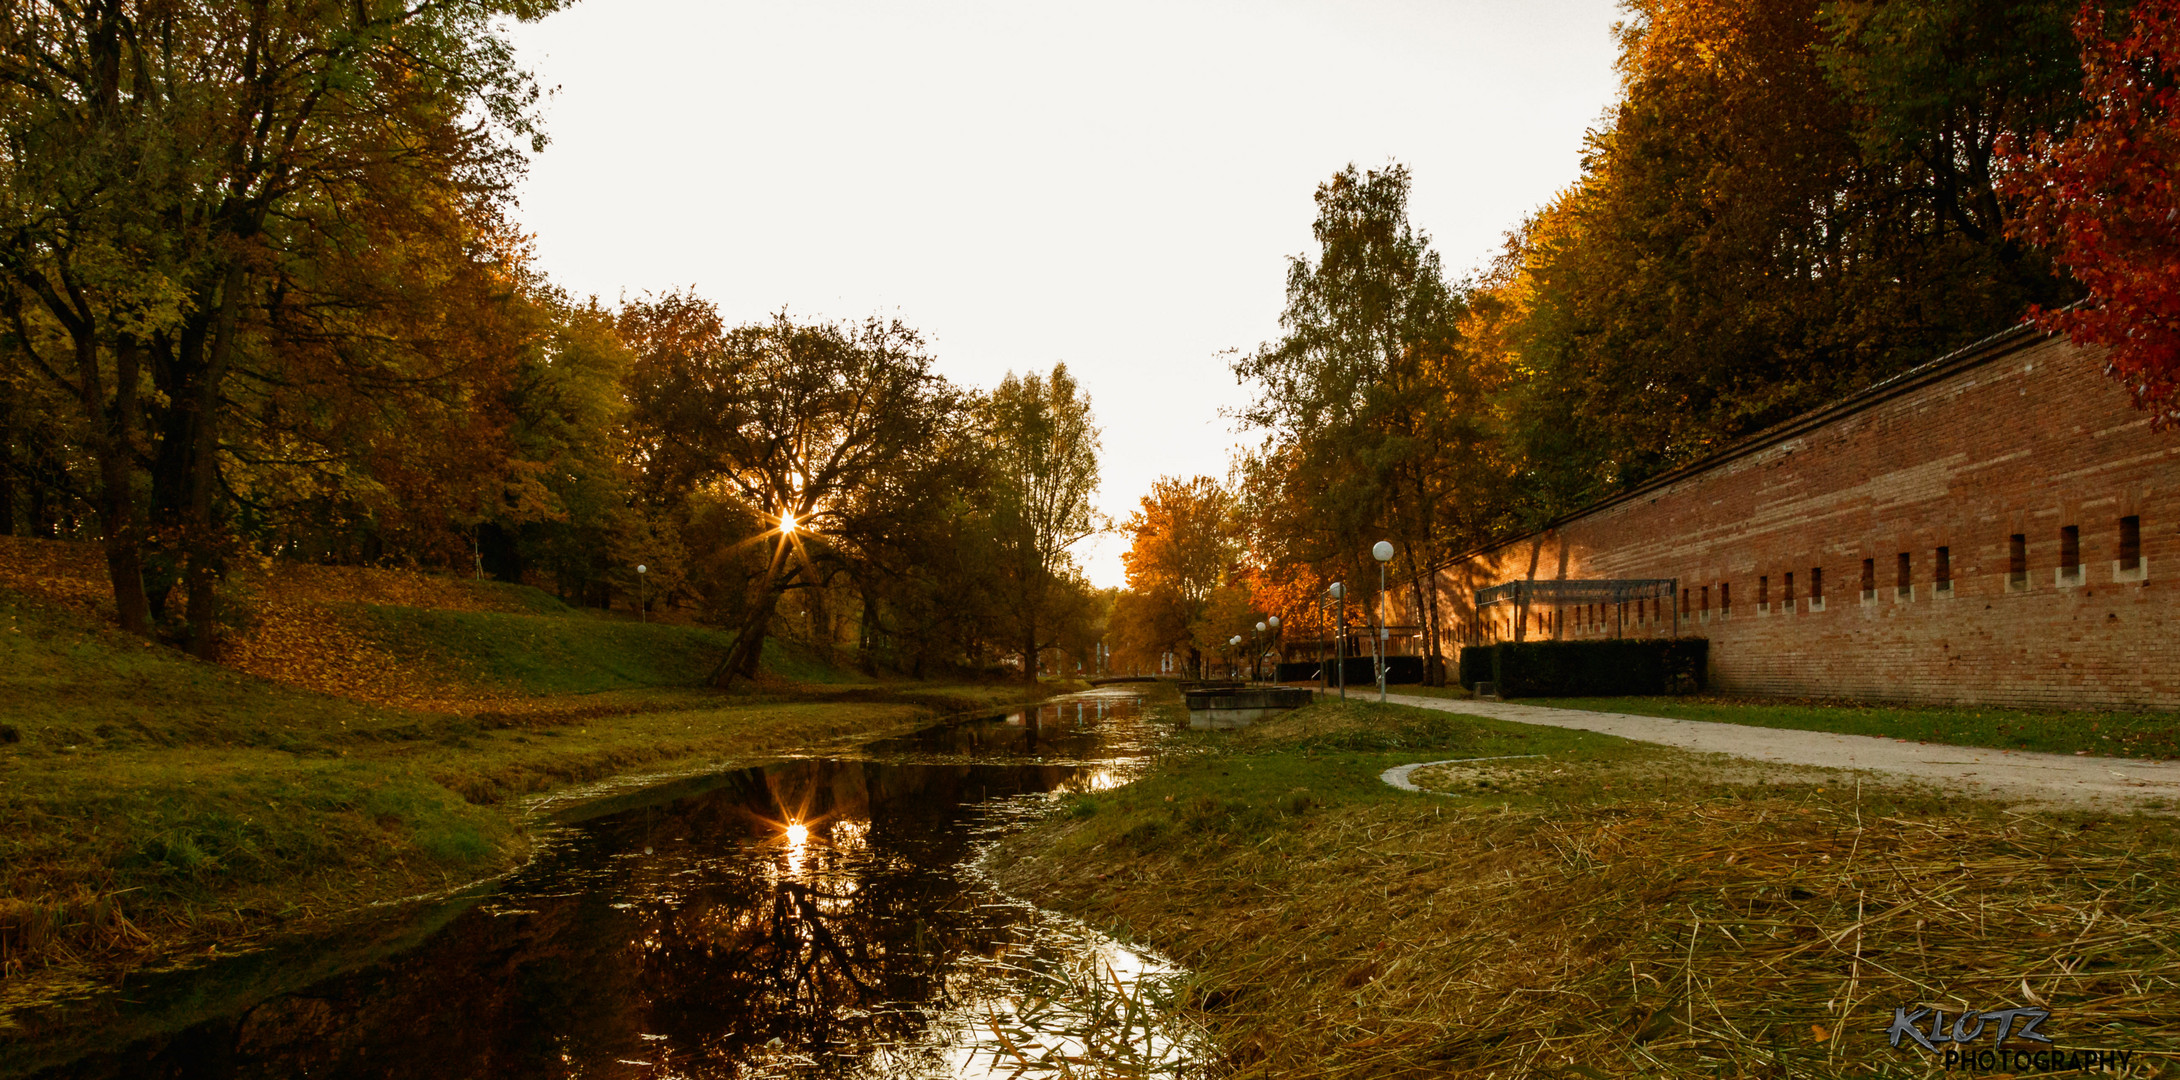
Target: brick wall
2022 436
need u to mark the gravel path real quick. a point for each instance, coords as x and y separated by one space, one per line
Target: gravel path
2011 775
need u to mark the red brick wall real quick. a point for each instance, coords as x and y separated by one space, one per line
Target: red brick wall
2028 437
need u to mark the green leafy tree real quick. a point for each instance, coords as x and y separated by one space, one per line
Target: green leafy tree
1374 418
172 167
1045 472
811 427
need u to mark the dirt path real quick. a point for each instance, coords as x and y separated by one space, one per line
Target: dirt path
2010 775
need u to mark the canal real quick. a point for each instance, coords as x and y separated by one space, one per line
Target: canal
820 917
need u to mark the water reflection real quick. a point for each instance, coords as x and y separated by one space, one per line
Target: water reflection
812 918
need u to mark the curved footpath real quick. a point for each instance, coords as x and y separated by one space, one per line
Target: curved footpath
2012 775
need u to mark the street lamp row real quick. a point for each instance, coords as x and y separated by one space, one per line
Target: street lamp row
1383 552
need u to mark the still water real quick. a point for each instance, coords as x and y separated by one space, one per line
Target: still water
812 918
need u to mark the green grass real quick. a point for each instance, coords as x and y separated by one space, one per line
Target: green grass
2118 734
537 600
1244 785
796 662
213 803
66 681
572 652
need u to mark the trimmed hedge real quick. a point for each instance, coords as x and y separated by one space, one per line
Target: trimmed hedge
1361 671
1589 668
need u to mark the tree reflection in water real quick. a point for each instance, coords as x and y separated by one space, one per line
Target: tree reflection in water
696 937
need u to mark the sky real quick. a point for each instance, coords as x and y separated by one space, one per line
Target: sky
1117 186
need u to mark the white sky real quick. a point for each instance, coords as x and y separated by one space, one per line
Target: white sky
1117 185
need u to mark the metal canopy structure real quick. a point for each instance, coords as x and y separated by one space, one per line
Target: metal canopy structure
1564 592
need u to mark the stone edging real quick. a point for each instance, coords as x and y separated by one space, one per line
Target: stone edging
1398 774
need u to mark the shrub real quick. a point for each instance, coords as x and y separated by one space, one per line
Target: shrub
1589 668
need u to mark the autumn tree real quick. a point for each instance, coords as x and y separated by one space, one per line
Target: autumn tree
1185 545
1375 422
1791 201
2102 195
1045 473
565 505
173 167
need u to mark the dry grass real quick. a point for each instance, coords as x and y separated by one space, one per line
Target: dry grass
1676 928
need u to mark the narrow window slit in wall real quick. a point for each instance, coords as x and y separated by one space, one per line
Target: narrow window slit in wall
1869 581
1786 603
1816 588
1903 585
1763 595
1725 599
2070 556
1941 572
2130 565
2017 563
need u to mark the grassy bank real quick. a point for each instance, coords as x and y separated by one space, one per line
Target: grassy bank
2116 734
1605 909
157 803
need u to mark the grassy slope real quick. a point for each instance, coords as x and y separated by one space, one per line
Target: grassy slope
568 651
1626 912
155 799
2118 734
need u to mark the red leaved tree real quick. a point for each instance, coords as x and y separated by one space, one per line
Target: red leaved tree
2102 199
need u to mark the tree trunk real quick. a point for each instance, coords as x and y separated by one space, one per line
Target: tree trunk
747 653
117 500
817 606
1438 633
1029 652
111 447
1521 624
7 458
745 656
1423 621
1032 600
206 552
42 515
867 637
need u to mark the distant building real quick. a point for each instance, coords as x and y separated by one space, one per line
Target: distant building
1999 526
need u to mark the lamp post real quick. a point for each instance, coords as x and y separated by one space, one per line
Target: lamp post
1256 656
1273 621
641 614
1383 552
1339 631
1233 669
